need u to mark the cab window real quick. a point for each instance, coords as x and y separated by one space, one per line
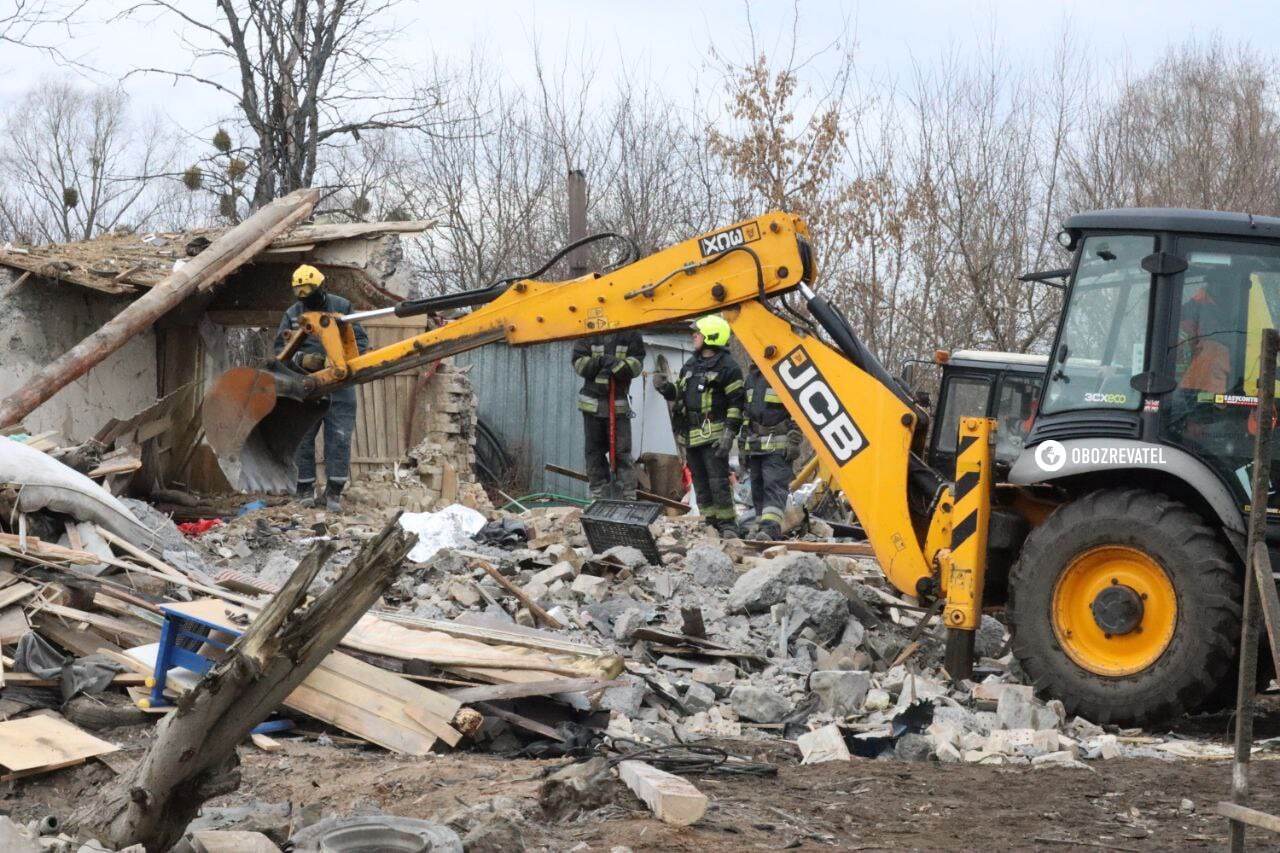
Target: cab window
966 397
1104 333
1230 293
1015 411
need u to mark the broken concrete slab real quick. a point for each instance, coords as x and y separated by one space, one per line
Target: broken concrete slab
758 704
768 583
672 799
841 692
710 567
590 587
826 610
824 744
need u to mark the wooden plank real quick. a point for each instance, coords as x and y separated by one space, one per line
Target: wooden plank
443 706
1253 817
354 718
13 624
34 547
542 615
1269 598
118 466
31 743
78 642
672 799
156 563
110 624
521 721
640 493
14 593
512 635
521 689
264 743
850 549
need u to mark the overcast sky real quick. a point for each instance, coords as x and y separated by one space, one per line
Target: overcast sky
667 40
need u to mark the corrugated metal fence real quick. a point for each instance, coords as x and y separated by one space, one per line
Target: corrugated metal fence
528 396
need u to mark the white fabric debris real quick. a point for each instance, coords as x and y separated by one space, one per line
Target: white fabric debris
451 527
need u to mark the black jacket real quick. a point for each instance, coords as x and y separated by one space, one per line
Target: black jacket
708 395
766 421
289 325
618 356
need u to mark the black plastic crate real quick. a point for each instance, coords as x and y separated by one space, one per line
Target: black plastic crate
608 523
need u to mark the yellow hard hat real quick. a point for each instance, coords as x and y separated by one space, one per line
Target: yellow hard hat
307 276
714 330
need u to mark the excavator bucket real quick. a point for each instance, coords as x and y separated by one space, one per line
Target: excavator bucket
254 419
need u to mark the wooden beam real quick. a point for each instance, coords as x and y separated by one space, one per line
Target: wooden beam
849 549
520 595
640 493
1253 817
671 799
522 689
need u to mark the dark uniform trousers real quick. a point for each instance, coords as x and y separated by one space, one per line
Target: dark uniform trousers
596 429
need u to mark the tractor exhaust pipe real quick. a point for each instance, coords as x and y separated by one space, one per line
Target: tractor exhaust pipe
255 419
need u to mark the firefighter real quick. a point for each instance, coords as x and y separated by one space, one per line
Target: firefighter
607 364
708 396
771 442
340 418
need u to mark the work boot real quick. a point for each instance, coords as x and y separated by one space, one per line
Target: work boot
768 531
305 493
332 496
728 530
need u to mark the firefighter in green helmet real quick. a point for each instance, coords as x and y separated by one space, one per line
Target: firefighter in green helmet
708 395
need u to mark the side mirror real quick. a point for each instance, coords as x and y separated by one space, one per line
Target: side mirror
908 374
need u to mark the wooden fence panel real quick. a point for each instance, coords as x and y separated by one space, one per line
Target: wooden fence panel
383 406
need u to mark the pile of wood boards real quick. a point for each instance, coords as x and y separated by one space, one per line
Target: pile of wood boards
402 683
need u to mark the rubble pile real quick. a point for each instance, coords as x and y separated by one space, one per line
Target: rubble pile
509 634
440 465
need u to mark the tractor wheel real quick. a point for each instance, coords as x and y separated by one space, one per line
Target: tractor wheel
1126 606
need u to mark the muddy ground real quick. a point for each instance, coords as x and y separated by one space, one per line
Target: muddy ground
1124 804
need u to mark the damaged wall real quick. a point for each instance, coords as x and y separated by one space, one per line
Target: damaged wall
40 320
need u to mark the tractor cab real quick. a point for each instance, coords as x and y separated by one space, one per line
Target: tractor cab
1004 386
1155 365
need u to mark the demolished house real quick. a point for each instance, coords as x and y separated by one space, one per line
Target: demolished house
56 296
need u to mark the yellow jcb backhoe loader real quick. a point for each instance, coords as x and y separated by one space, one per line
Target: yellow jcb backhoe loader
1123 510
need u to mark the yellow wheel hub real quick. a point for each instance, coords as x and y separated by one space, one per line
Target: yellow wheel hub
1114 610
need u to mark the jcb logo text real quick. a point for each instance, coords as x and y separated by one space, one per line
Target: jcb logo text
820 405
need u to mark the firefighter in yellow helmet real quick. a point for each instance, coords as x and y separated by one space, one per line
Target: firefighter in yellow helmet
340 419
708 395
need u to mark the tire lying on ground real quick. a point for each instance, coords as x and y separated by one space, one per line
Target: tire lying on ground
1125 605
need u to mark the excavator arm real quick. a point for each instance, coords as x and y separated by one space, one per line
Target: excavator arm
859 421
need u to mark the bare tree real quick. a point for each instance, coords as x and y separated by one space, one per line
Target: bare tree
986 168
76 165
310 80
24 23
1199 129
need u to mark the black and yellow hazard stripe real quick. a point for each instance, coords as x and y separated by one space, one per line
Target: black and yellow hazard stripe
972 513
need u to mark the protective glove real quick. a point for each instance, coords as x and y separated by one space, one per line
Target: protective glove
661 382
725 445
794 440
310 361
607 363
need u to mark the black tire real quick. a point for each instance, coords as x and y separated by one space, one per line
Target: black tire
1206 581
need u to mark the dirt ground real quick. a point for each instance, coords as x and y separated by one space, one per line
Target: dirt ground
862 805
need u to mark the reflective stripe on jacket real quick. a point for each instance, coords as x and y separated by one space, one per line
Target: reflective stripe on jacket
626 350
708 394
766 421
